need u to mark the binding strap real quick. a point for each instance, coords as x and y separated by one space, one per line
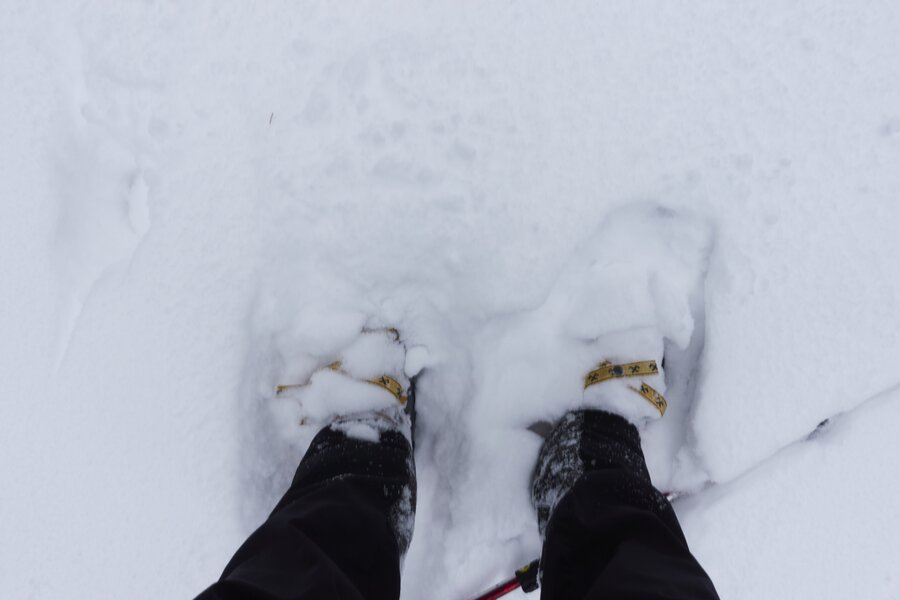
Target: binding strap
646 368
385 382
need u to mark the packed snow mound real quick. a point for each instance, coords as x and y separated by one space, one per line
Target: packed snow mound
621 295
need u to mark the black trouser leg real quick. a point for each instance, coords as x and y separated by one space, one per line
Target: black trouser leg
338 532
613 535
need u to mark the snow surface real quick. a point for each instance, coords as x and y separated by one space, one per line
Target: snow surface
189 192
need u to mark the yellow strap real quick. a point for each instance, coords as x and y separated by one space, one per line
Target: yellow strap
385 382
607 371
390 384
645 368
653 397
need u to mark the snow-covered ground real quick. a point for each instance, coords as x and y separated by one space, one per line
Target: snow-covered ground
192 193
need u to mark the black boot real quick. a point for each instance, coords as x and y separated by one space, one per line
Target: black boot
608 533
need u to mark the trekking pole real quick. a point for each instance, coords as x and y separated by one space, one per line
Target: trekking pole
526 578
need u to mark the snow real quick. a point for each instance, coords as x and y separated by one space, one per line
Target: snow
195 196
807 515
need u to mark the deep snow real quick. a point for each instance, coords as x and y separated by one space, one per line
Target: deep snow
191 192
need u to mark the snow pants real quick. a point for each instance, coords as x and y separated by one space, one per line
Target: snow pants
333 534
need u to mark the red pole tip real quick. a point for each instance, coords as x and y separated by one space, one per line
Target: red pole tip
501 590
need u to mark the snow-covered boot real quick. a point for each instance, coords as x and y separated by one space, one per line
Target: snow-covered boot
621 392
363 403
627 297
362 390
620 395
